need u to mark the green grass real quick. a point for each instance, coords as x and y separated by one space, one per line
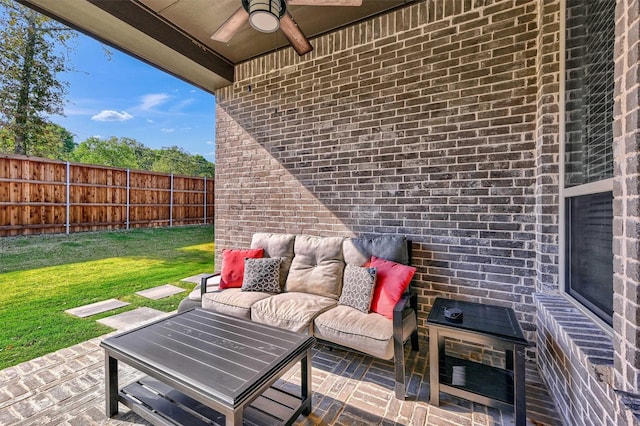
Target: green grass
41 276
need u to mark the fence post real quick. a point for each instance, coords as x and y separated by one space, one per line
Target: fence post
128 196
205 200
68 201
171 204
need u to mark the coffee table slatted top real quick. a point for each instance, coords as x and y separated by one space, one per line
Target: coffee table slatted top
224 357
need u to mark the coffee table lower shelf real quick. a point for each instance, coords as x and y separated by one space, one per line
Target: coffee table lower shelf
161 404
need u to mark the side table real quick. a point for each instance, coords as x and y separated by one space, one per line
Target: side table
487 325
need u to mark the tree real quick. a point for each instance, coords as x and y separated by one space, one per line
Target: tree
176 160
204 167
123 152
33 51
173 160
131 154
6 140
55 142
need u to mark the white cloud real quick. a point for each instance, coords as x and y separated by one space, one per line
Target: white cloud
167 130
152 100
110 115
211 143
150 120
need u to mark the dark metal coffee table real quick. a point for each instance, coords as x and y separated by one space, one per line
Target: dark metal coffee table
205 368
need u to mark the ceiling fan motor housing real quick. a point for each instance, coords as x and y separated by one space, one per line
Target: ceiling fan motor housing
264 15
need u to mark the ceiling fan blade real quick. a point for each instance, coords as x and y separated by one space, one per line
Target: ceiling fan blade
294 34
228 29
325 2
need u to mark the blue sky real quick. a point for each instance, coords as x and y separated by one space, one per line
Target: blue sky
125 97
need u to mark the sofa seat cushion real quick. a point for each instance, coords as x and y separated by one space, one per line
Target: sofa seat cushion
233 302
369 333
292 311
317 266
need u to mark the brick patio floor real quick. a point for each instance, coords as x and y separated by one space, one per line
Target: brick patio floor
67 388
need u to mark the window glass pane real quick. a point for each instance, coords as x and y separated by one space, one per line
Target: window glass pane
590 239
590 35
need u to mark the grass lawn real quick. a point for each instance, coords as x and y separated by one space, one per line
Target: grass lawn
41 276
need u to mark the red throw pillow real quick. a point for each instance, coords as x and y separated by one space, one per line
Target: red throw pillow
392 280
232 271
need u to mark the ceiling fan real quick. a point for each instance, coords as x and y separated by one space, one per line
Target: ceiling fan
270 15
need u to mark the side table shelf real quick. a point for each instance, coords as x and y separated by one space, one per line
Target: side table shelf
480 379
488 325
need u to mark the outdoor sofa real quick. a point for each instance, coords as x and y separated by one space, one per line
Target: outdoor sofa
319 286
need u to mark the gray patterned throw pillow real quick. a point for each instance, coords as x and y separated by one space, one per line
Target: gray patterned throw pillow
262 275
357 287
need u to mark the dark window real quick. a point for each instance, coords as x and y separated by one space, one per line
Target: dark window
588 152
590 251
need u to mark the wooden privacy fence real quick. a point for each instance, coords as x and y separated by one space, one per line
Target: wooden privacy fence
47 196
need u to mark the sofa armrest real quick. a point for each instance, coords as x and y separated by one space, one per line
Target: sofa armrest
408 300
203 282
406 306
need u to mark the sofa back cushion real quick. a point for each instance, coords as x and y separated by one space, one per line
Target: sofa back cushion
358 251
276 245
317 266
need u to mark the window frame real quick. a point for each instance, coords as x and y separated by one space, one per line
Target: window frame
605 185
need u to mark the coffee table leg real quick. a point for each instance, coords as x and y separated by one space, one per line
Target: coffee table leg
111 384
305 367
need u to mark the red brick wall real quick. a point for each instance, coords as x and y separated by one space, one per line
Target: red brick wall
421 122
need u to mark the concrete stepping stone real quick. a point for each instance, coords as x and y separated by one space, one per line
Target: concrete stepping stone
194 279
160 292
133 318
96 308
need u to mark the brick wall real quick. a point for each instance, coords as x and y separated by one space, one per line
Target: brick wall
547 151
626 241
592 375
575 358
421 122
441 121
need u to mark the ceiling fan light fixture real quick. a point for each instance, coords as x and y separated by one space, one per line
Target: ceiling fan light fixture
264 15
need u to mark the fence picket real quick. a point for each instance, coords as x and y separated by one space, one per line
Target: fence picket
47 196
